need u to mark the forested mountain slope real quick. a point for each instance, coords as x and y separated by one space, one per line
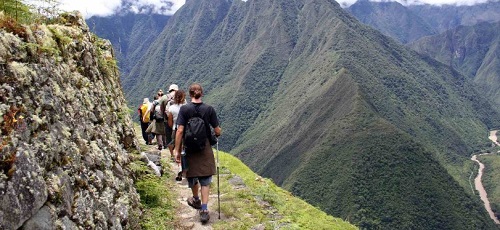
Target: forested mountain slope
330 109
474 50
131 35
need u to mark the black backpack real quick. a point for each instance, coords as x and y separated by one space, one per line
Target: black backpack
195 132
155 112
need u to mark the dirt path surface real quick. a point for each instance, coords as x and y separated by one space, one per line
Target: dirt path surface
186 216
479 185
189 218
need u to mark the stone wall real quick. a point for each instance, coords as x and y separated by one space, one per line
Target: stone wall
66 131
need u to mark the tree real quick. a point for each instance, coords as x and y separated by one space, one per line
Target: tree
15 9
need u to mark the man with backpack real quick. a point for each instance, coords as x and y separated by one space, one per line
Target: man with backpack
193 127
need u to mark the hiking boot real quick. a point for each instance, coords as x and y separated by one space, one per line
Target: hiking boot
179 178
204 216
196 204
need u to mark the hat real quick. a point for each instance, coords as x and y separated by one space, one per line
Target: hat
146 100
173 87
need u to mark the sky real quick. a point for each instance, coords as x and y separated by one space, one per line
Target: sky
91 8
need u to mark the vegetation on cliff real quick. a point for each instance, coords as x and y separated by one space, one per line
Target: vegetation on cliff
66 129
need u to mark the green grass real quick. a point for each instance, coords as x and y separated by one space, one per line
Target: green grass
261 201
157 197
158 203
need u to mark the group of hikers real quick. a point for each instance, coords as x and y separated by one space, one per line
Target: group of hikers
176 125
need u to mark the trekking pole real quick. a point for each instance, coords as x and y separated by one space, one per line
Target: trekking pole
218 184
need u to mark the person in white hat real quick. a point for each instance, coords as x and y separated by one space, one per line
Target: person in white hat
165 101
173 87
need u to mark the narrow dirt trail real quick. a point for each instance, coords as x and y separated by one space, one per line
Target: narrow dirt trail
477 181
186 216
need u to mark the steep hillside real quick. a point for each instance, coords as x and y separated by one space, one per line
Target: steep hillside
330 109
131 35
66 132
474 50
392 19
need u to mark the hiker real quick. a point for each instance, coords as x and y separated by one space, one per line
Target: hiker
201 164
157 125
144 119
165 101
173 112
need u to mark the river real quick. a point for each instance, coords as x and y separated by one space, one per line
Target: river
477 181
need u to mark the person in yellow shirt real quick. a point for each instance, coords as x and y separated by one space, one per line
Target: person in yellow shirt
144 119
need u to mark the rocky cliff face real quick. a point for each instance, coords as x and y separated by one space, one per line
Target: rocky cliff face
66 131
